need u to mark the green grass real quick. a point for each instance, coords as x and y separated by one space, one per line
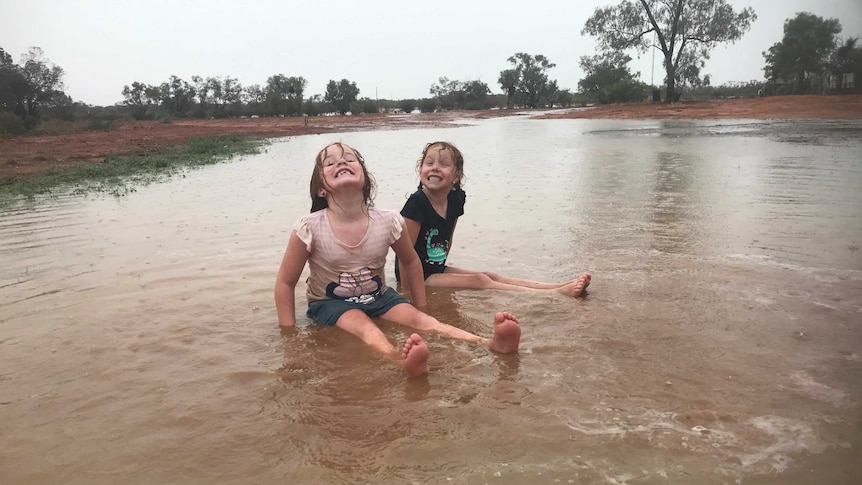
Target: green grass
120 175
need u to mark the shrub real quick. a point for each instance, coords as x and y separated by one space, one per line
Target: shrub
427 105
406 105
11 124
96 124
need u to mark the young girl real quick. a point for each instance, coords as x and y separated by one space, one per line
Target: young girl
345 241
431 214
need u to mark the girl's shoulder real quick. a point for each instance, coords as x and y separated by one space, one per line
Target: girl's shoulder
388 222
309 224
311 219
417 196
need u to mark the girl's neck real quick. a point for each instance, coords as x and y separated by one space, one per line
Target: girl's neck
437 197
347 208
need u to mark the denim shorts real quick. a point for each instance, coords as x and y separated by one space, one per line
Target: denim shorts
329 311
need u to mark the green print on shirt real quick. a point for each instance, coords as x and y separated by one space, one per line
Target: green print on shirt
437 252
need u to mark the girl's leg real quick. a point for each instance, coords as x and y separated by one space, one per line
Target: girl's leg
465 278
507 331
413 357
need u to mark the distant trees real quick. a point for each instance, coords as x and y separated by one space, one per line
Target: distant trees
253 95
608 79
341 94
508 81
284 95
564 97
846 63
44 81
364 106
27 88
227 93
139 97
802 57
407 105
13 86
532 85
451 94
685 31
177 95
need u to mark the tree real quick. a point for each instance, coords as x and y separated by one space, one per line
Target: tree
476 95
284 95
341 95
846 59
254 94
460 94
608 79
564 97
231 94
448 93
364 106
137 98
13 86
604 70
407 105
5 59
532 86
219 93
428 105
686 30
44 80
803 53
202 91
177 96
508 83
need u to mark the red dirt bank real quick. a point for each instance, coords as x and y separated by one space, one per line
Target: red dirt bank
26 155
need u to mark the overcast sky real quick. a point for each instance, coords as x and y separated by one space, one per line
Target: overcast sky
392 49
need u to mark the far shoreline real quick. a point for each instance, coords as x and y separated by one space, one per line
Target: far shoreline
774 107
34 155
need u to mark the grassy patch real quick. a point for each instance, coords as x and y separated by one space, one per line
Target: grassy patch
119 175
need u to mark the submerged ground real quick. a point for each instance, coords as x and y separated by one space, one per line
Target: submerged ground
719 341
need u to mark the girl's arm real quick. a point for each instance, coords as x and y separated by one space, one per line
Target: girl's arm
410 266
413 228
292 264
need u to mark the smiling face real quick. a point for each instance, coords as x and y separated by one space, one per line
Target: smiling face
441 167
339 167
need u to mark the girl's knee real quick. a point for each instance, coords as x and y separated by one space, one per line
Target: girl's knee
425 321
482 279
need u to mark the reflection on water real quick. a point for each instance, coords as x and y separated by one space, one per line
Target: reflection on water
720 341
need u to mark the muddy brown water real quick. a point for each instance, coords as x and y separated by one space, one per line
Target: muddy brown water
720 342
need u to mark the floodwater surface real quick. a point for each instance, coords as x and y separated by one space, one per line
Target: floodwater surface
720 340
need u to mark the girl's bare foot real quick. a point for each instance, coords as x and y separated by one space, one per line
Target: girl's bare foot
507 333
415 356
577 287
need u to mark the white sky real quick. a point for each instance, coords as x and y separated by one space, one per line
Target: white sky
392 49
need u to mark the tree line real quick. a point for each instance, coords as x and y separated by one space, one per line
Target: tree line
811 57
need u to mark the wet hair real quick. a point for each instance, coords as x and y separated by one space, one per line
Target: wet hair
317 183
457 158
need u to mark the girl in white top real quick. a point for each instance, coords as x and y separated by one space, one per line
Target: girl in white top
345 241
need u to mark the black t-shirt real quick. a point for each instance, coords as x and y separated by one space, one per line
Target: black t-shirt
435 233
